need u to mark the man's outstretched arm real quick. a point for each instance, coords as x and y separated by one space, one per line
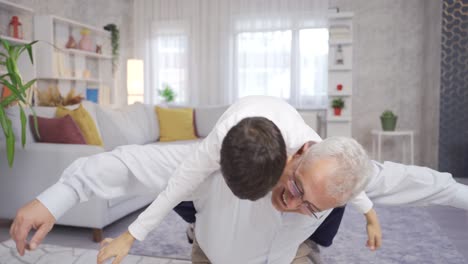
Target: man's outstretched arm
126 170
398 184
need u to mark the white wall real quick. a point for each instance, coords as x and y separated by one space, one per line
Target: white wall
396 66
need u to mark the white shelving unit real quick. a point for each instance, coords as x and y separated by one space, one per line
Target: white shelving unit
25 15
14 8
15 40
340 74
68 68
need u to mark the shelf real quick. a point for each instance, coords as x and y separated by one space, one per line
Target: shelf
15 40
338 93
343 42
70 79
86 53
339 119
340 68
14 7
78 24
341 15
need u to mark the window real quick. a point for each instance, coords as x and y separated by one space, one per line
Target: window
264 63
291 64
169 60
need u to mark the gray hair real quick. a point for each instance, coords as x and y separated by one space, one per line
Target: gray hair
353 166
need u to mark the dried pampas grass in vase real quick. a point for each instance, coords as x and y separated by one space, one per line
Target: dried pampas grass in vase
52 97
49 97
72 98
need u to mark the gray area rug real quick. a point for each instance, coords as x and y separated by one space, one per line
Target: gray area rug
410 236
168 240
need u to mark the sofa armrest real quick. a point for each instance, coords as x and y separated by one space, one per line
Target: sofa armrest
35 168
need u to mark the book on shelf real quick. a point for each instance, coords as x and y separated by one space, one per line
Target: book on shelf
92 94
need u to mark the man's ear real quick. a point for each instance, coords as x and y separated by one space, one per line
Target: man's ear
304 148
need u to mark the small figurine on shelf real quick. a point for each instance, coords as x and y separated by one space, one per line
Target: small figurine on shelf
16 28
339 55
71 43
98 49
86 74
85 41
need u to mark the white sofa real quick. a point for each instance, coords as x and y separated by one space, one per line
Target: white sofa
40 165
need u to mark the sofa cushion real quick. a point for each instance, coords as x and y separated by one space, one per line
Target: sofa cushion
176 124
84 121
91 109
127 125
112 135
13 113
61 130
153 123
206 118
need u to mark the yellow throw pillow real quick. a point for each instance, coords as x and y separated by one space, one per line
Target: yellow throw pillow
84 121
175 124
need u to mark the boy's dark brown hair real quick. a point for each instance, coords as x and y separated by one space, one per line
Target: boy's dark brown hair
253 157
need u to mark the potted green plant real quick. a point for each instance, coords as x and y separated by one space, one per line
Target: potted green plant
167 93
12 80
388 120
337 105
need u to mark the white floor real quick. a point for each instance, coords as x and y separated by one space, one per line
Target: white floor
76 246
56 254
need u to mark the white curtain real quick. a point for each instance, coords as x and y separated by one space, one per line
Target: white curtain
228 49
169 57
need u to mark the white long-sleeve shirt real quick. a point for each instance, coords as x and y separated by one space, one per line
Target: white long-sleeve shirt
230 230
204 160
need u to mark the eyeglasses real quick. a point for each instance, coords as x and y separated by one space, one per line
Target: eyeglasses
298 193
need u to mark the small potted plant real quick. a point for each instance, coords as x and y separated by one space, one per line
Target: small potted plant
167 93
337 105
388 120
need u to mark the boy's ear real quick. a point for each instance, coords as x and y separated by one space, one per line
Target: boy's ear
304 148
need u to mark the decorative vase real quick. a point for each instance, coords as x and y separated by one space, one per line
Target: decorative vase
388 123
85 41
337 111
339 87
71 43
16 28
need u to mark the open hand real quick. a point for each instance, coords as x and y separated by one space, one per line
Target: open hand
115 248
33 215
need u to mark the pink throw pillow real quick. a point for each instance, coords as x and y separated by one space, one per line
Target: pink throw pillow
61 130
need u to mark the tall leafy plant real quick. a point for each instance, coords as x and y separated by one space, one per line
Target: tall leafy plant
13 81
